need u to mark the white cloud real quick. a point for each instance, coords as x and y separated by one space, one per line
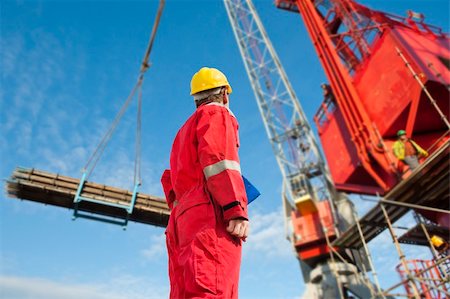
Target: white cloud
267 236
124 287
27 77
157 247
10 47
25 131
33 73
36 288
57 130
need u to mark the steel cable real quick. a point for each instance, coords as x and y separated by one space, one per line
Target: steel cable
95 157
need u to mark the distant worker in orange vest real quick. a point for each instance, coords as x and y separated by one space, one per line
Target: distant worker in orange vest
206 193
407 151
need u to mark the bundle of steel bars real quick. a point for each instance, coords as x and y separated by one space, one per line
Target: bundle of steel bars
54 189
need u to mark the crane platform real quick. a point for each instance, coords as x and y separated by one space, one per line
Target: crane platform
57 190
428 186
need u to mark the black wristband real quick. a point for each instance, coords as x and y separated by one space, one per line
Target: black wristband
231 205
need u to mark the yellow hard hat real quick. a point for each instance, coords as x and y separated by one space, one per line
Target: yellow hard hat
437 241
208 78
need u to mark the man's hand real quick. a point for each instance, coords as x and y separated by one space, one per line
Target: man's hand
239 228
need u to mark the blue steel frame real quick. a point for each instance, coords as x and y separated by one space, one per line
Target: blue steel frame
128 208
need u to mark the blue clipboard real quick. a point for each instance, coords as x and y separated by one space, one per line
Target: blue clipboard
252 192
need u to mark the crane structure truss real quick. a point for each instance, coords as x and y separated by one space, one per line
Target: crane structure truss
287 127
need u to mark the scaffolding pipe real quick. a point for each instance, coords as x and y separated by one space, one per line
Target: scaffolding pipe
438 262
408 205
399 295
400 252
369 256
432 249
427 284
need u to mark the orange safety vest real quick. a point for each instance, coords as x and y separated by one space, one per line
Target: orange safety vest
399 149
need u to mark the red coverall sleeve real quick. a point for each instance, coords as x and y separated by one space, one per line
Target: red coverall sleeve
166 182
218 155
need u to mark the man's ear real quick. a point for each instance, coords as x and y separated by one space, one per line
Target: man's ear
224 96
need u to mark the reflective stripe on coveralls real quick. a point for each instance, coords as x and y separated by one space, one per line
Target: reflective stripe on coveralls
218 167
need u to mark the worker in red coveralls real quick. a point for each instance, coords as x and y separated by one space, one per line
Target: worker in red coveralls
206 194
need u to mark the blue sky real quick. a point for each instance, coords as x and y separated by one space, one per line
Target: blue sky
66 68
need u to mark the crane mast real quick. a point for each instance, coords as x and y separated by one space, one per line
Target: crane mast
289 132
309 197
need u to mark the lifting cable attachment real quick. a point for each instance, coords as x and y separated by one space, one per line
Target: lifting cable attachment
95 157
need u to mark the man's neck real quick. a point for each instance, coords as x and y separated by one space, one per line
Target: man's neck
202 102
205 102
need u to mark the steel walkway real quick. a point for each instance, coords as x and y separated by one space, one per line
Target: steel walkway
428 186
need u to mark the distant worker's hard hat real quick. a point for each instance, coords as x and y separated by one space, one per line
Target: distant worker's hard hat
437 241
401 133
208 78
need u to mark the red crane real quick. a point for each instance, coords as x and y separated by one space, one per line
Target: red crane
383 69
387 73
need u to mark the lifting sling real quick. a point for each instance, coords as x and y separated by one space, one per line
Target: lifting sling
95 157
